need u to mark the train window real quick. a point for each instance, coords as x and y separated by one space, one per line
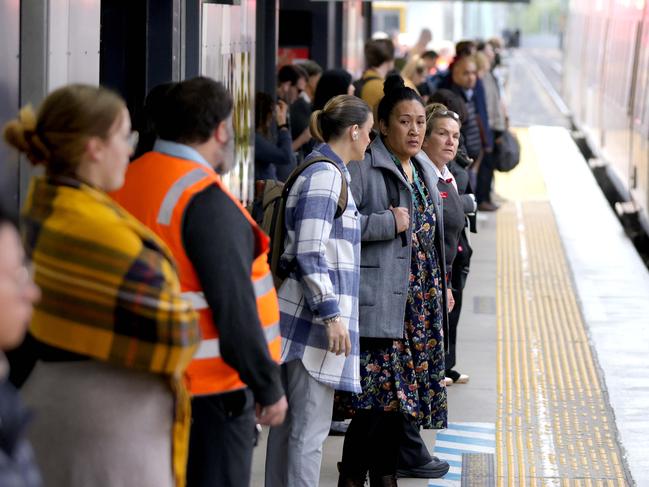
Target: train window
594 49
619 61
641 106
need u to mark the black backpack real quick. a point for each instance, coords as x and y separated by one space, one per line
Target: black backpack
359 83
274 199
507 152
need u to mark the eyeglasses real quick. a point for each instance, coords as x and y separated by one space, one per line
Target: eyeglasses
443 112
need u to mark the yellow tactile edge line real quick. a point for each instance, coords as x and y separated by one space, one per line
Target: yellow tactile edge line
552 421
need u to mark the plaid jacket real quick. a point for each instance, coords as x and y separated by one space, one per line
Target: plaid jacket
109 288
326 280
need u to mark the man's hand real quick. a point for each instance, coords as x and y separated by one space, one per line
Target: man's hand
274 414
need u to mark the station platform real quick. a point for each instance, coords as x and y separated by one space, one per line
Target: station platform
554 332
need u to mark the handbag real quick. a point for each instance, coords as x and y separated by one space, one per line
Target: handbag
507 152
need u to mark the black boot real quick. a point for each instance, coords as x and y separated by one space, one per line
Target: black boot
349 479
389 480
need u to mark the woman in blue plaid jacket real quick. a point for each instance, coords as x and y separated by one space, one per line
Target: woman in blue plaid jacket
319 300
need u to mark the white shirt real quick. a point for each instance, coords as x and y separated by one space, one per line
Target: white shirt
444 174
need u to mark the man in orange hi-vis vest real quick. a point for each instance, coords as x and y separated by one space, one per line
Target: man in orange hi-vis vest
222 263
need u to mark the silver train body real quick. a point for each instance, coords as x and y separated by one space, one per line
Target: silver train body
606 86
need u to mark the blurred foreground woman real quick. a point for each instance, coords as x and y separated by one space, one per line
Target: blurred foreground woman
17 295
111 336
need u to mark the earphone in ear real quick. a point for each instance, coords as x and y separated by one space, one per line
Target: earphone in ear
355 136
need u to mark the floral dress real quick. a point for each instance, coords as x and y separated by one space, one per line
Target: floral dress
407 375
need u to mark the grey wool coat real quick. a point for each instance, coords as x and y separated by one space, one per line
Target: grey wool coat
385 261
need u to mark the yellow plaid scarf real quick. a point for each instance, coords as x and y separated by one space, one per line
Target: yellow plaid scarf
109 290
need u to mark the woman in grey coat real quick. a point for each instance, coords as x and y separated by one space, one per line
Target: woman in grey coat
402 298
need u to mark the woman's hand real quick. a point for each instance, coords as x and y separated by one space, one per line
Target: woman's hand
280 112
401 218
450 300
338 337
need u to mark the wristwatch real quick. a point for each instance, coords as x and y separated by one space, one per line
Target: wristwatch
330 321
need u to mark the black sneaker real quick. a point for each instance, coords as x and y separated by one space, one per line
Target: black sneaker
434 469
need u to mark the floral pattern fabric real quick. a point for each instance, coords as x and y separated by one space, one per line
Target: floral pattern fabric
407 375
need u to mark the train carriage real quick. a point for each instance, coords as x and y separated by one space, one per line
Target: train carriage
606 85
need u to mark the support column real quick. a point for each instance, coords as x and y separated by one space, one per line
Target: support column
9 98
33 72
267 19
191 52
367 21
141 47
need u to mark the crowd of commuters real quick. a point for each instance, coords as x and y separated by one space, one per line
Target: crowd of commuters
158 341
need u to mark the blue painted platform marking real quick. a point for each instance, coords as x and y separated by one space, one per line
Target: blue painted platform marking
461 438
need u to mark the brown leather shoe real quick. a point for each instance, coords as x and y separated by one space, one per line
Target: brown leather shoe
487 206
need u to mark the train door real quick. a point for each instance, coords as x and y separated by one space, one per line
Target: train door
573 77
353 59
639 182
227 55
622 44
59 44
9 96
591 66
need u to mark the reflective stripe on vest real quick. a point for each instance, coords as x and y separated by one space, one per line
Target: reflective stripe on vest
212 349
175 192
262 287
161 207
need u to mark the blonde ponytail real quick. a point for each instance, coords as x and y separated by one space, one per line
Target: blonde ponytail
338 114
315 126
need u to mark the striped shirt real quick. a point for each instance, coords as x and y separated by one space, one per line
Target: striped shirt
326 280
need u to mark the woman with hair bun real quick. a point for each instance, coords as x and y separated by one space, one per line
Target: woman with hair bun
111 337
402 297
319 299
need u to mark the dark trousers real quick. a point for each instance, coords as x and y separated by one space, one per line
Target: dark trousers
221 440
372 443
453 320
485 178
412 449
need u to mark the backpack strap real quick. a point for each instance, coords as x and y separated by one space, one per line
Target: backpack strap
360 83
277 228
342 199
